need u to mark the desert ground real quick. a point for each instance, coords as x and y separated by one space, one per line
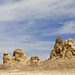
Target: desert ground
39 73
51 72
49 67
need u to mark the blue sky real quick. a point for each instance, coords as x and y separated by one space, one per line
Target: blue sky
33 25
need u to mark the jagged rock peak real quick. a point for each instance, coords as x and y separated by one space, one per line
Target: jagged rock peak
61 50
59 40
57 48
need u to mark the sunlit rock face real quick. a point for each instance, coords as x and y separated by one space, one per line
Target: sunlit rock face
57 48
63 50
18 56
6 58
35 61
36 58
69 48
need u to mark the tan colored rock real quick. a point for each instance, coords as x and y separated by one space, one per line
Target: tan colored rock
53 54
36 58
57 48
60 50
34 61
66 42
32 58
69 48
68 54
59 40
18 56
6 58
70 40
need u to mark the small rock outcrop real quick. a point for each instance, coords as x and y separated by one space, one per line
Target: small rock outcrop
36 58
63 50
35 61
6 58
18 56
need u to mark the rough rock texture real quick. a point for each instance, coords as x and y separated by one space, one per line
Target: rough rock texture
35 61
57 48
35 58
69 48
6 58
18 56
60 50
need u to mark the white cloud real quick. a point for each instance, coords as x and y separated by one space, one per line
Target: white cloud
26 45
67 28
38 9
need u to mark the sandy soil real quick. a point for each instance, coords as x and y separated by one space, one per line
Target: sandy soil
49 67
55 72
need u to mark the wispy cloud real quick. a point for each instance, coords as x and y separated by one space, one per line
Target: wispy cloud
9 46
30 9
67 28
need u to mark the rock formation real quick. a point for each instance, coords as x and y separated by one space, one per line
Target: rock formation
69 48
18 56
57 48
35 61
63 50
6 58
36 58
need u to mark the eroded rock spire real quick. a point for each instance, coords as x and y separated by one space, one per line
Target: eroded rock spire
61 50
